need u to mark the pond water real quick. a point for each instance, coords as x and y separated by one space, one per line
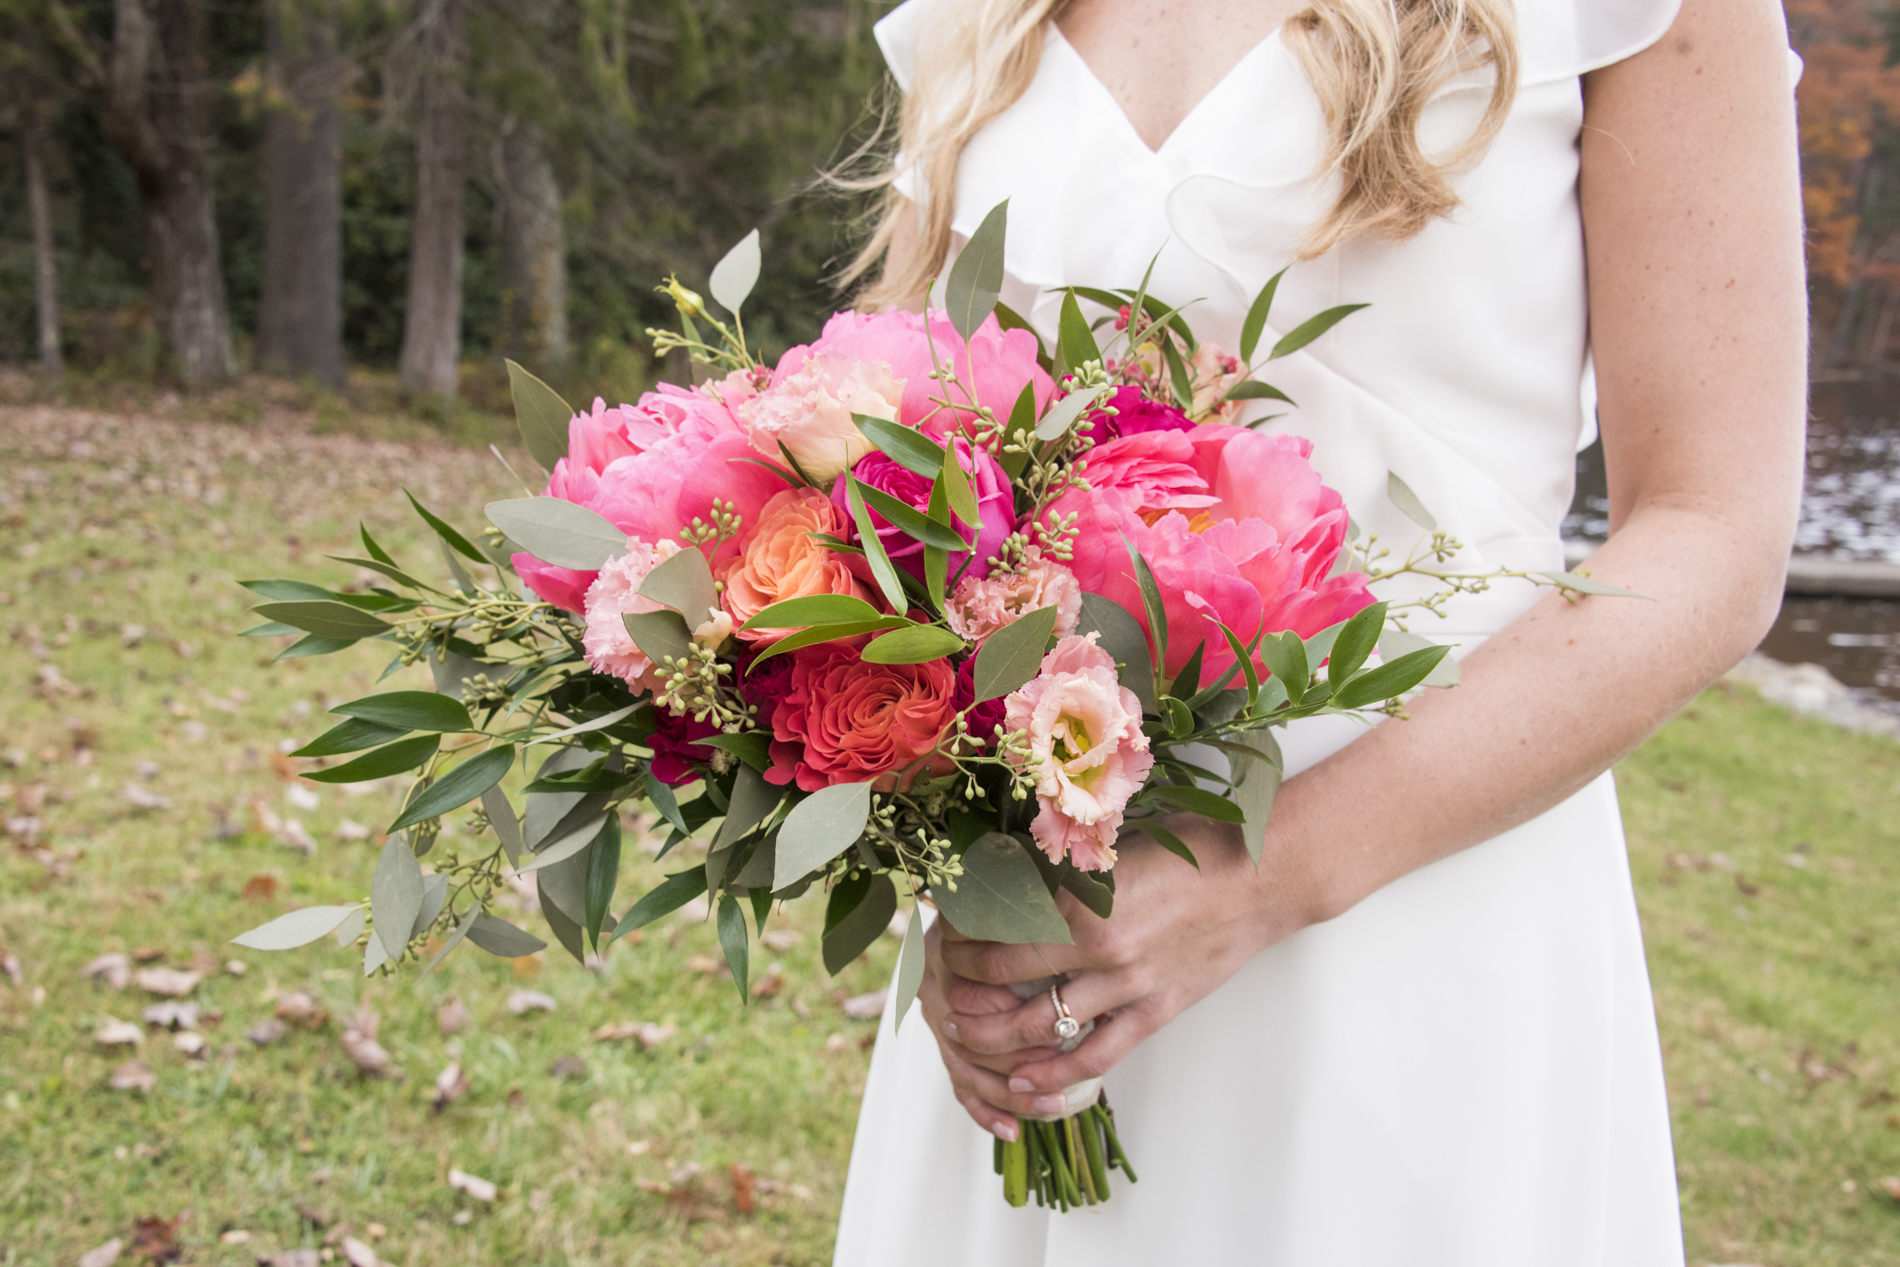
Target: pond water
1850 510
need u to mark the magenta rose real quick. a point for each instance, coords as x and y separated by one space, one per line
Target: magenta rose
995 506
1135 414
985 717
676 754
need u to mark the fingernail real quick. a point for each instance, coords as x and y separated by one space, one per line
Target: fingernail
950 1028
1005 1131
1051 1103
1021 1084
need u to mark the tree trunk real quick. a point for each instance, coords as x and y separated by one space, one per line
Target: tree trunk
153 113
300 314
432 321
45 271
533 252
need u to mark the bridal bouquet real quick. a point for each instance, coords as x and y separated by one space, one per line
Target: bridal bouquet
921 608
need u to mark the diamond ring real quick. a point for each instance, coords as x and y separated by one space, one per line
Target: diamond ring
1067 1026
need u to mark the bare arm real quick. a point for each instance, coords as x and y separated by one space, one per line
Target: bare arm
1692 218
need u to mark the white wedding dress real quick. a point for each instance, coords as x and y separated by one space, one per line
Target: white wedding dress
1463 1070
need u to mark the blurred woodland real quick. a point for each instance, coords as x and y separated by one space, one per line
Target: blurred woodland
199 187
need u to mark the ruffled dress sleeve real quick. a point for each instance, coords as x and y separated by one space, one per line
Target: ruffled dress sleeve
896 34
1560 39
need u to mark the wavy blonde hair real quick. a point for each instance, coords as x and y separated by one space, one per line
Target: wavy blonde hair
1372 63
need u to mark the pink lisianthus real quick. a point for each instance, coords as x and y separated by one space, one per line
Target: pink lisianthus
995 507
1251 547
981 605
614 593
846 721
1004 361
808 409
1086 745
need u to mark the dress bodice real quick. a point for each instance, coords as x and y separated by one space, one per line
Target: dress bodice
1467 374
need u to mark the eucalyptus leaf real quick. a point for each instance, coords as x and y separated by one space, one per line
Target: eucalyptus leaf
1151 603
1400 494
1570 581
957 490
314 644
501 817
754 747
1019 431
976 278
603 875
352 926
452 670
395 895
566 929
1062 415
299 928
1254 389
668 896
498 937
1013 654
443 529
915 644
325 618
575 833
734 276
660 635
1075 342
458 787
559 532
684 583
753 801
288 591
819 828
541 415
1123 639
404 754
587 727
733 941
865 923
353 735
1256 783
1001 897
1200 801
454 938
435 895
910 968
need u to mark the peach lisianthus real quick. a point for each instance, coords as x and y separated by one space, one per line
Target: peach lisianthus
981 605
1086 745
808 411
615 592
779 558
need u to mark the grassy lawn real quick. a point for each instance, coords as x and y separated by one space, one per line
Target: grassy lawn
143 742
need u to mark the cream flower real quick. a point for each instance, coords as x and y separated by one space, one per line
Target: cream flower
1087 748
809 412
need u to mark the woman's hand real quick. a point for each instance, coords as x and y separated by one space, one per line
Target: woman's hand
1176 934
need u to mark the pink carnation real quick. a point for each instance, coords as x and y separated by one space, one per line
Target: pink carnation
1087 748
616 593
981 605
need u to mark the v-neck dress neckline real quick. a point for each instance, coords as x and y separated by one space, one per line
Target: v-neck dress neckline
1054 38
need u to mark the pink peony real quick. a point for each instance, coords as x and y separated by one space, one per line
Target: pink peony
845 721
981 605
1005 360
808 409
1249 542
616 593
596 438
995 506
1087 748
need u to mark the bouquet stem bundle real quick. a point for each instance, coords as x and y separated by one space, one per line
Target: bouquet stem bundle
1063 1163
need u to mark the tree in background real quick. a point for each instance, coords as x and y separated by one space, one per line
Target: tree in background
29 94
148 87
533 263
300 310
432 317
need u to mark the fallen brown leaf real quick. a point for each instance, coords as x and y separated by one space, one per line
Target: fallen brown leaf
522 1001
261 888
156 1239
452 1016
568 1067
780 938
113 1032
359 1043
172 1015
114 966
133 1076
743 1183
771 983
102 1256
449 1086
267 1031
476 1187
300 1008
1889 1184
864 1007
167 981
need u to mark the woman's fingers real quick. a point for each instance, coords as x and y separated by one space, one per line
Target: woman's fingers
998 963
973 998
1114 1038
1032 1025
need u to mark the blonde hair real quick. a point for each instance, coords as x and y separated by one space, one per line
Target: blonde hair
1372 63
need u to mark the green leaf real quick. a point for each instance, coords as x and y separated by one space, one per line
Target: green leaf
732 940
826 633
818 829
1256 783
817 609
916 644
274 629
411 710
1285 658
1571 581
1179 380
1013 654
404 754
395 895
499 937
737 272
284 591
1257 317
1320 645
1021 427
753 801
1166 839
684 583
1389 681
910 967
587 727
1304 333
1151 601
661 794
351 736
956 488
874 552
668 896
1244 660
906 446
501 817
1075 342
908 520
325 618
1394 643
559 532
1354 644
1001 897
1400 494
299 928
603 874
458 787
754 747
1199 800
370 547
435 895
394 573
1254 389
976 278
1063 414
566 929
659 635
1188 680
1122 638
848 937
574 834
1089 891
449 534
542 416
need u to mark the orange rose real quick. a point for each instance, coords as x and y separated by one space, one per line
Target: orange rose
779 559
845 721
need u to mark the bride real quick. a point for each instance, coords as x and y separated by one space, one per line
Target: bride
1420 1032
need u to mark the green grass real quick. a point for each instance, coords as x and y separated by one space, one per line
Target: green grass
1778 1005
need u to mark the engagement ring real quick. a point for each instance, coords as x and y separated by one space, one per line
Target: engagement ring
1067 1026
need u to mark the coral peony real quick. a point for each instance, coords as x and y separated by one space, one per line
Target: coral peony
1086 747
1134 415
995 506
616 593
808 411
981 605
845 721
779 558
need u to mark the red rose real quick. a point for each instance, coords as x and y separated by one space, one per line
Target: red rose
845 721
